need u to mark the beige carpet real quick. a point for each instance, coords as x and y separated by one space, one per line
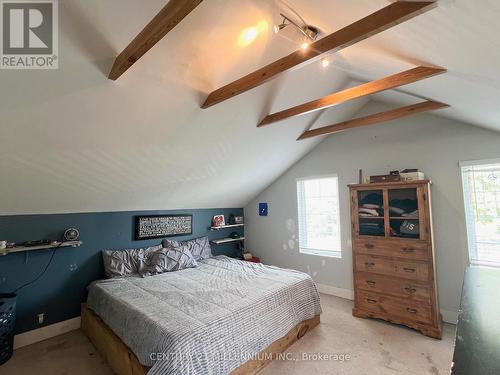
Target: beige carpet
374 347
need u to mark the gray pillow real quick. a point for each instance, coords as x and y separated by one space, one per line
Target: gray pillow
126 262
168 260
199 247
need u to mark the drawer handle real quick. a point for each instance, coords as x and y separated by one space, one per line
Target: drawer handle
408 249
410 290
371 282
411 311
369 264
409 270
369 245
372 301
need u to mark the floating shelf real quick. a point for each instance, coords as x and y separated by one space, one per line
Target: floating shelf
372 217
403 218
226 240
17 249
227 226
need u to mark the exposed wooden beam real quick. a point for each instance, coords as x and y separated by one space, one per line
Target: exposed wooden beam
373 24
376 118
387 83
171 14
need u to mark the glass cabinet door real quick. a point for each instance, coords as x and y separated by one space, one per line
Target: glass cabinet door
371 213
404 213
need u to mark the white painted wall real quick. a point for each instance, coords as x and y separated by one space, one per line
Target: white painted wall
432 144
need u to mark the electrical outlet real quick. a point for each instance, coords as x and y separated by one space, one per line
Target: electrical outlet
73 267
41 318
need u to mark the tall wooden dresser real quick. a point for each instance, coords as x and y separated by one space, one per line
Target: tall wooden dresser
393 255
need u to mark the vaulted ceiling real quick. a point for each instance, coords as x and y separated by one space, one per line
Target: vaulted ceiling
72 140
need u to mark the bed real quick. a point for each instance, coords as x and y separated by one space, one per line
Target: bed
213 319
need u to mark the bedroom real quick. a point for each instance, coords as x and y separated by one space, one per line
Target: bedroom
233 187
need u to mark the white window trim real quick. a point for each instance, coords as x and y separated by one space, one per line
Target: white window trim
471 245
323 253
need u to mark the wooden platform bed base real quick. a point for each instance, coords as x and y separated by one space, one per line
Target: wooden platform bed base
124 362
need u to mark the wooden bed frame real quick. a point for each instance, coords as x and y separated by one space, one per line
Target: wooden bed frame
124 362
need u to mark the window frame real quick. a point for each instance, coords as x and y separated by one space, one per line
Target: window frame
472 257
336 253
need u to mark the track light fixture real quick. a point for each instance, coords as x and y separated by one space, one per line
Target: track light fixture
310 32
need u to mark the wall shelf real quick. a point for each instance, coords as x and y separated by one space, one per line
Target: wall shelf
227 226
226 240
17 249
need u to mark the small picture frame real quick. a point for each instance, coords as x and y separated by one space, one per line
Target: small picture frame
218 221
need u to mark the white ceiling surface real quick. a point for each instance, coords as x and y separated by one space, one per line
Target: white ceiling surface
74 141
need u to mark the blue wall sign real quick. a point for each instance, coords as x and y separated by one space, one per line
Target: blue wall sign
263 209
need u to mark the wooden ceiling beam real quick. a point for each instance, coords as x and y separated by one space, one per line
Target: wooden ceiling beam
387 83
373 24
376 118
171 15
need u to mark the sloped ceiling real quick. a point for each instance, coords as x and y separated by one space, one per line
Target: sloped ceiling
74 141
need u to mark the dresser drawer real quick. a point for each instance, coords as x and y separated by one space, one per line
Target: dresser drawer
405 269
403 288
404 309
393 248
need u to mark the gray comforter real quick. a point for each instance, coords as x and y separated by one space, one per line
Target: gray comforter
206 320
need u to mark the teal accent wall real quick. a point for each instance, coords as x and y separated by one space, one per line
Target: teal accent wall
63 288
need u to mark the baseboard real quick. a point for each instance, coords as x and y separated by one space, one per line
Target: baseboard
44 333
448 316
334 291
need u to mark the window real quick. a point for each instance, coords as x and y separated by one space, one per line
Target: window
481 185
318 214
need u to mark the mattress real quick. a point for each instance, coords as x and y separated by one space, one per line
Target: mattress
205 320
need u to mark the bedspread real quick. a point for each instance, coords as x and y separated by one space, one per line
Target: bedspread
206 320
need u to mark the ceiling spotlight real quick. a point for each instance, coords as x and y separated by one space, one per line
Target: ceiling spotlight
304 46
325 62
310 32
281 26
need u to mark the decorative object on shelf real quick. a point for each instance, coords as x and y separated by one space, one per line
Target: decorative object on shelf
39 243
233 220
158 226
218 221
7 323
263 209
234 235
393 255
71 234
3 244
360 180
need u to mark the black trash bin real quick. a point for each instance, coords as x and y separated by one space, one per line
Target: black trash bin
7 322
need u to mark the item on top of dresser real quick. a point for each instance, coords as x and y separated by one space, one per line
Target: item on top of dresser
248 255
385 178
238 219
412 175
3 244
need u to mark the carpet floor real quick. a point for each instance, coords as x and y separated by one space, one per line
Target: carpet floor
341 344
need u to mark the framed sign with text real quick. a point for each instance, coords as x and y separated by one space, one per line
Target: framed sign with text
158 226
